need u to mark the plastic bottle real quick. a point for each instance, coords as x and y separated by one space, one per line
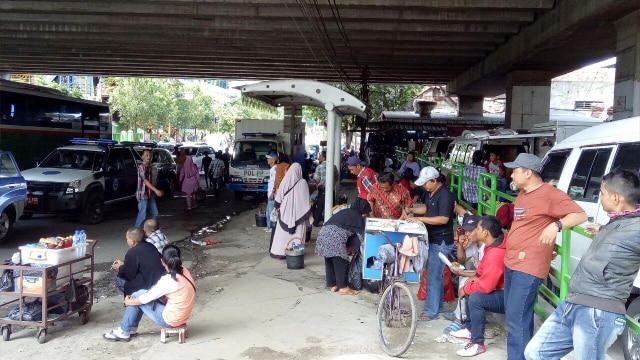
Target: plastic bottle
76 237
83 237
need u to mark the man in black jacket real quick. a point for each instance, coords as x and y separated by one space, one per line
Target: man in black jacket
141 268
592 316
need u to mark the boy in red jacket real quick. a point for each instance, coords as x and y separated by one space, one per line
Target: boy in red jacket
485 291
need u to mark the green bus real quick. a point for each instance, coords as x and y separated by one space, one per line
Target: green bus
35 120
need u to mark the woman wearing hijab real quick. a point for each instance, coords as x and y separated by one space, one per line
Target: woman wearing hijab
292 202
190 179
332 244
180 159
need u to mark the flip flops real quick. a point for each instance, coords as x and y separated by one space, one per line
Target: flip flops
424 317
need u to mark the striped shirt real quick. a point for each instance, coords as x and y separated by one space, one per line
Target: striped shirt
469 189
217 168
143 192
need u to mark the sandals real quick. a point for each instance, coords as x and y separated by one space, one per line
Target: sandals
347 291
424 317
334 289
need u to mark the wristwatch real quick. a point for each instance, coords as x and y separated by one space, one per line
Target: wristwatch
559 225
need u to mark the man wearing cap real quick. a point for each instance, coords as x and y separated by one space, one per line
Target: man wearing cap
272 161
540 212
366 176
437 214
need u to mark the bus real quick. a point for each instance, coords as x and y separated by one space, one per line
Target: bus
35 120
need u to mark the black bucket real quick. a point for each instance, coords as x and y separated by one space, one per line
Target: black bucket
295 258
261 218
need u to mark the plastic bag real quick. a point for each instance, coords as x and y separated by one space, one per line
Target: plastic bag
354 275
274 216
201 196
6 280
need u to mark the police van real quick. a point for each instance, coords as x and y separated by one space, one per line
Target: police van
577 165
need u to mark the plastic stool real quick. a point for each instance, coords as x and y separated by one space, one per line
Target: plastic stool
180 330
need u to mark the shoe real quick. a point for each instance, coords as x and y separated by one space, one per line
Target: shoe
117 335
461 334
451 316
424 317
133 332
267 230
454 326
471 349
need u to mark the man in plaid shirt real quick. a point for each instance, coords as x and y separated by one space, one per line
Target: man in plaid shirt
217 173
146 193
472 171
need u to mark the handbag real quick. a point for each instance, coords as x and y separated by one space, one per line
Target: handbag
354 276
201 196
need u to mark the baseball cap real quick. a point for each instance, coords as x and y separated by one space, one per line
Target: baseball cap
469 222
525 160
354 161
272 155
427 173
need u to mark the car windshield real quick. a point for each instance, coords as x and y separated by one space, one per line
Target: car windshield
253 152
76 159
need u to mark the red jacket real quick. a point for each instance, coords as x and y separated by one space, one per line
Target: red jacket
490 272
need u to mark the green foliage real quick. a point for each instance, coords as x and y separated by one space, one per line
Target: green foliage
41 81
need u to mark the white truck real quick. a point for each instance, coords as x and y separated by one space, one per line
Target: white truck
254 140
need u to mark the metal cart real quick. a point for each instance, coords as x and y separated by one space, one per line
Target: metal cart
81 269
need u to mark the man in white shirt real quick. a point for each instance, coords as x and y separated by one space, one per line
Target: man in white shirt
272 160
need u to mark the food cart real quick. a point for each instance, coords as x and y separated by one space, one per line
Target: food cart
55 270
373 239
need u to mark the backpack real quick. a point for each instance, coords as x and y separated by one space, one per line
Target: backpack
504 213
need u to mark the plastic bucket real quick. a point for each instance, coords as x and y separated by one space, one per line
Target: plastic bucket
261 218
295 258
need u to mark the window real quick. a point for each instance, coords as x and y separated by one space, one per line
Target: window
8 169
586 180
586 104
627 158
553 165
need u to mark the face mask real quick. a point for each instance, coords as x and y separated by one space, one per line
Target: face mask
513 186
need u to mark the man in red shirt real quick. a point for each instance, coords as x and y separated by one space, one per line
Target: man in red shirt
540 212
366 176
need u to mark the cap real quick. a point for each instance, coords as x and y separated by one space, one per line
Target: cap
469 222
354 161
525 160
272 155
427 173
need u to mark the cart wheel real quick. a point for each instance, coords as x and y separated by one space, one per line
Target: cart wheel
42 336
6 332
84 317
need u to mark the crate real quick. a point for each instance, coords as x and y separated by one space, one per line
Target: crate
38 256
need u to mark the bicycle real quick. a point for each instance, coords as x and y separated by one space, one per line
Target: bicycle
397 317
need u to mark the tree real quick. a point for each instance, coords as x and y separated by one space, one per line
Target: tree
41 81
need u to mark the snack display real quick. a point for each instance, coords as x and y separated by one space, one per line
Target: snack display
57 242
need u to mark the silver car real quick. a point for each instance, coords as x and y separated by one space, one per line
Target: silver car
13 193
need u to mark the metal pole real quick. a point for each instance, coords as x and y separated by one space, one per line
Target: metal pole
337 155
328 195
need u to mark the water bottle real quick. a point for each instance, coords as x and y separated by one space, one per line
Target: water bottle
83 237
76 238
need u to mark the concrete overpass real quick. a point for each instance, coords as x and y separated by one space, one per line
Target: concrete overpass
478 47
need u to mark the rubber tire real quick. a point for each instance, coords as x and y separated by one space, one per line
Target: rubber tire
6 333
93 209
84 317
42 336
412 331
6 224
630 339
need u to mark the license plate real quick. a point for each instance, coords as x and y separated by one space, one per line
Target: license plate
252 185
32 200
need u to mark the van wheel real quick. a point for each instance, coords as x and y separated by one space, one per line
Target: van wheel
6 222
630 338
93 210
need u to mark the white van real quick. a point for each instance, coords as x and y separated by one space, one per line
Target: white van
577 165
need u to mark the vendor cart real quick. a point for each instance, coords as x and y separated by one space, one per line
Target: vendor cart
395 230
47 281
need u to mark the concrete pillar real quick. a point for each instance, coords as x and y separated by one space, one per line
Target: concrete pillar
528 99
331 148
626 93
471 106
293 127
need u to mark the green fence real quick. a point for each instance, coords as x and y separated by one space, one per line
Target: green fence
488 197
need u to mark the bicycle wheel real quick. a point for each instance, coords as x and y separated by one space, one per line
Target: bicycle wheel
397 319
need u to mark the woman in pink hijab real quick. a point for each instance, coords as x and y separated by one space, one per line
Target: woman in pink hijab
292 201
190 179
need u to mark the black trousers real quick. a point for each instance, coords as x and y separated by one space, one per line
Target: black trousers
318 207
336 271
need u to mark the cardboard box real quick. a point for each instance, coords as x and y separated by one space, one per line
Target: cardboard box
31 282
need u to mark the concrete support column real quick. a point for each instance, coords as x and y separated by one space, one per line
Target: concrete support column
626 93
331 149
470 105
528 99
293 126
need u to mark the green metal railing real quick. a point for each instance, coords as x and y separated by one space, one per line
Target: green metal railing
488 197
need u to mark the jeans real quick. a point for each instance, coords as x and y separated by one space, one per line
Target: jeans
434 304
477 305
270 205
143 206
133 314
587 331
120 283
520 293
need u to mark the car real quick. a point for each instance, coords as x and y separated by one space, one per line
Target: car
165 175
82 178
13 193
197 152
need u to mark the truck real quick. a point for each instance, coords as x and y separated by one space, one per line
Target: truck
254 140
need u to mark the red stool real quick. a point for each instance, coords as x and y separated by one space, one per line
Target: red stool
180 330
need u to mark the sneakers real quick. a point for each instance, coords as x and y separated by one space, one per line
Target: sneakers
451 316
472 349
118 335
461 334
